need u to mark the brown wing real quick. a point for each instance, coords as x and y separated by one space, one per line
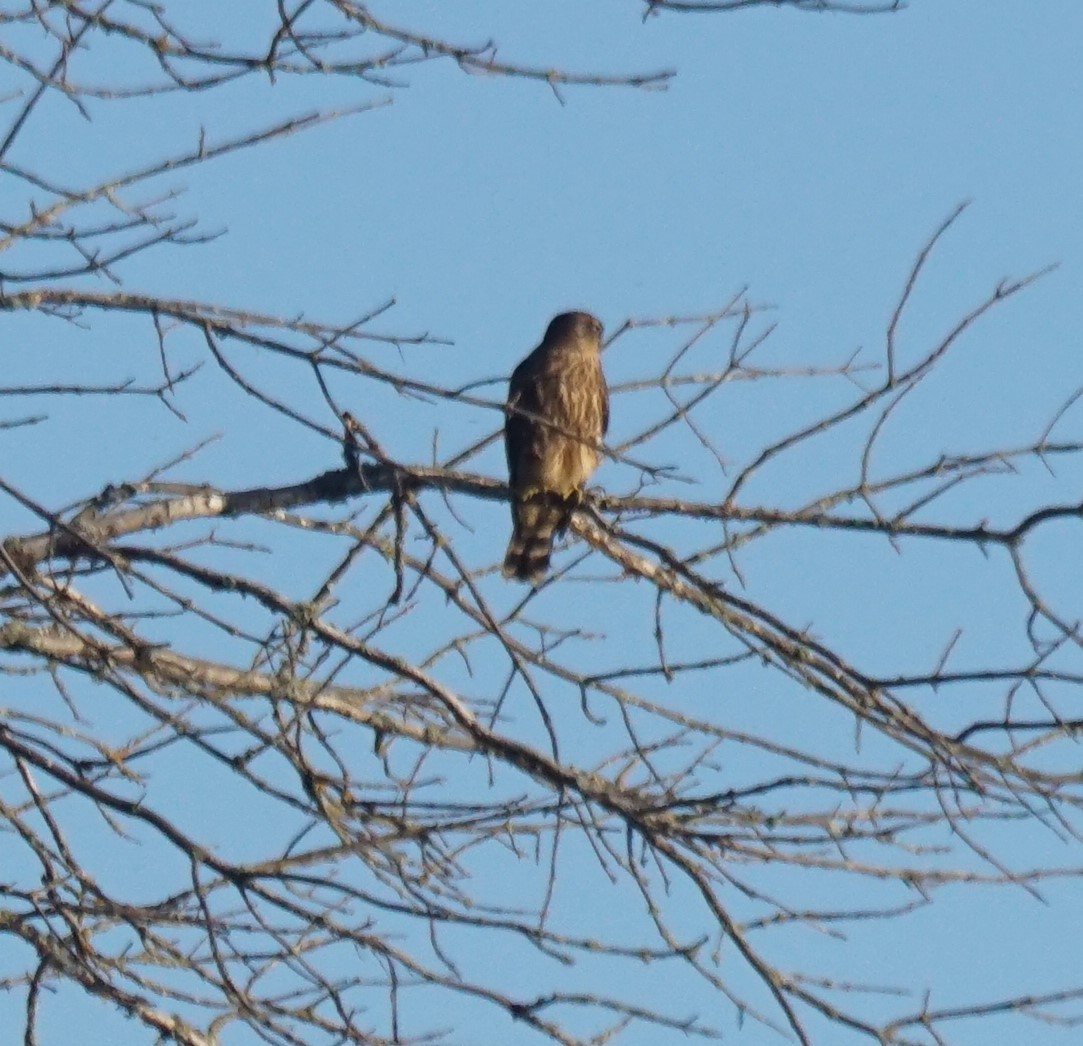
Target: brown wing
520 430
536 516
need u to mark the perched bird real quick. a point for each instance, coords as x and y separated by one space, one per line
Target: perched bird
557 414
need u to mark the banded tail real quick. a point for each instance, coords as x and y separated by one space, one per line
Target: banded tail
536 522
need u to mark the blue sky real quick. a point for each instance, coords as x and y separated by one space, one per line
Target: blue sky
805 157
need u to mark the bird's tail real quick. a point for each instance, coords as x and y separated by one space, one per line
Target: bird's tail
536 521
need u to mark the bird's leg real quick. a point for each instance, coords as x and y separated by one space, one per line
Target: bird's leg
570 498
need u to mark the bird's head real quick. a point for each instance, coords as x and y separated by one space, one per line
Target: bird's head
578 325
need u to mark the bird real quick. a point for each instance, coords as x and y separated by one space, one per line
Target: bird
556 416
